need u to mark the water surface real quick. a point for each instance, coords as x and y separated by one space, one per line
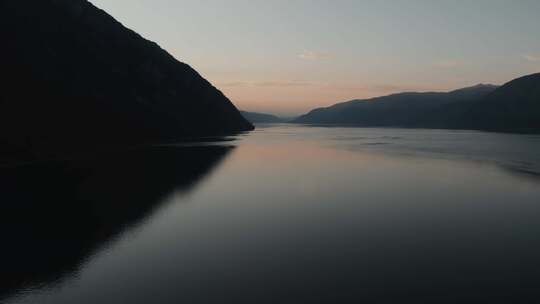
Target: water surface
285 214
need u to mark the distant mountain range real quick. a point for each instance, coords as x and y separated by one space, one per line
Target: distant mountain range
513 107
73 78
258 118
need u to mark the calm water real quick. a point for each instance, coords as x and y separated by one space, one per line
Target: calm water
285 214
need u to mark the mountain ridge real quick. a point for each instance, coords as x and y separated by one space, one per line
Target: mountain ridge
464 89
257 117
473 107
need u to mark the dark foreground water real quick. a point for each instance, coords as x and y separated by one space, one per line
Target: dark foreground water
285 214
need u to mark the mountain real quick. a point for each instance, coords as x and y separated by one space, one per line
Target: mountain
513 107
403 109
256 118
74 79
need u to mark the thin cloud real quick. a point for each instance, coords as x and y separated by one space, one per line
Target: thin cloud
532 57
372 87
377 88
233 84
315 55
388 88
285 83
447 64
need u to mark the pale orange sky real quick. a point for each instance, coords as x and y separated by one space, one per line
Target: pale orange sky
290 98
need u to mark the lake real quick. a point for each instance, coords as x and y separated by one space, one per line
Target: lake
285 214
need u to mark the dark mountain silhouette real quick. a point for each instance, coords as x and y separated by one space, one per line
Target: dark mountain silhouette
55 215
513 107
75 79
403 109
256 118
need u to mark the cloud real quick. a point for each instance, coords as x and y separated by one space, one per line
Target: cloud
532 57
376 88
387 88
447 64
233 84
284 83
315 55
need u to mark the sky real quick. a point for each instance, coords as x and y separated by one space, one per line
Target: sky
289 56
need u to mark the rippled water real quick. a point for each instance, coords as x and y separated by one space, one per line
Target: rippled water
285 214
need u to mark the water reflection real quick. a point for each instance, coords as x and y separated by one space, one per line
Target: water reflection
515 153
295 215
54 216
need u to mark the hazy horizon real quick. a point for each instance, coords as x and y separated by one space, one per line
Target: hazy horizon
285 58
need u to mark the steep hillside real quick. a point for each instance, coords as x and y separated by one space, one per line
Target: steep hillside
256 118
74 79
